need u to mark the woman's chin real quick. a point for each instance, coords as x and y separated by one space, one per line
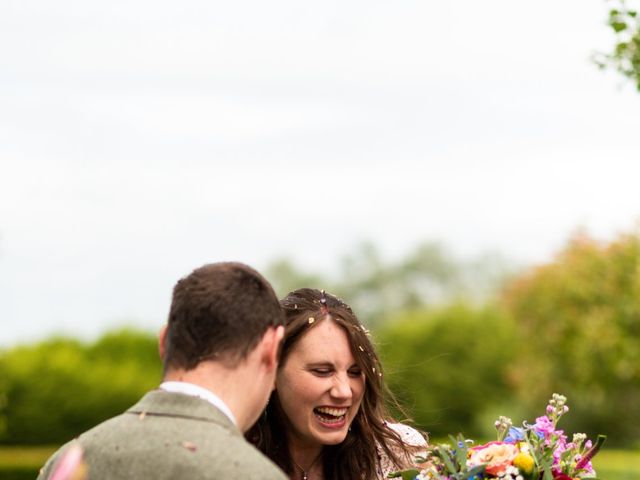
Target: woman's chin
331 433
333 438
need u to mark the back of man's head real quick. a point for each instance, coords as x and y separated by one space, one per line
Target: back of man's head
219 312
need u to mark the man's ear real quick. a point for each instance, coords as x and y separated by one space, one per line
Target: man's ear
271 346
162 339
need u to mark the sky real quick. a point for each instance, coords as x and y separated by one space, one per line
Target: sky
140 140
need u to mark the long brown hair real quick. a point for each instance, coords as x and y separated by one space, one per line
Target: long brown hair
356 458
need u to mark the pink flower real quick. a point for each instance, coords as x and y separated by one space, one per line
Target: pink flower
70 466
561 476
544 426
497 455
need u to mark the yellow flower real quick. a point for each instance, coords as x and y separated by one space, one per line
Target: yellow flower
524 463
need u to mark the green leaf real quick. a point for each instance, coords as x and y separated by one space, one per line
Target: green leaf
477 470
405 474
566 454
621 48
448 462
546 469
618 26
460 452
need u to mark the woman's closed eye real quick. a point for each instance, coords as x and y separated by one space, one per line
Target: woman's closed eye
326 372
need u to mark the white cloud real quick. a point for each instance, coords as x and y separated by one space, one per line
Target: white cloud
143 139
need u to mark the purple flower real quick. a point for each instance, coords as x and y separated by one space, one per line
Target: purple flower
544 426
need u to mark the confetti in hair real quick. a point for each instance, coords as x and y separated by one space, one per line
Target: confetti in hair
323 303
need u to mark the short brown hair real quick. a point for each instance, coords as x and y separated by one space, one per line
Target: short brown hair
219 311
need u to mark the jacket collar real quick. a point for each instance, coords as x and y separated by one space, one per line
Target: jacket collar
170 404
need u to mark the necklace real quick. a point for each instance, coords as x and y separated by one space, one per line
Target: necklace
305 474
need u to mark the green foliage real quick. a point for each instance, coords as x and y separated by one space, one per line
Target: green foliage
579 327
19 473
54 390
449 365
285 277
625 57
455 359
17 463
378 288
618 464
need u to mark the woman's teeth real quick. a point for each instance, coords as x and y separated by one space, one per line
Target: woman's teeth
330 415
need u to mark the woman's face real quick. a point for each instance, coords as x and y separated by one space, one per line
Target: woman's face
320 386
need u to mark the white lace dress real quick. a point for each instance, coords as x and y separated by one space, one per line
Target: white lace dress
411 437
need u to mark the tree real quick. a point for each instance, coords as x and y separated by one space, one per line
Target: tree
625 57
449 366
378 289
579 322
52 391
286 277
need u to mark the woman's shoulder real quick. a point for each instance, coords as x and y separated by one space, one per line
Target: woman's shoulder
408 435
415 444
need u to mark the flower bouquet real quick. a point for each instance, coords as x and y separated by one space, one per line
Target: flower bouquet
537 451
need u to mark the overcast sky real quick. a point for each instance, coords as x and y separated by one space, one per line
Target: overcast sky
140 139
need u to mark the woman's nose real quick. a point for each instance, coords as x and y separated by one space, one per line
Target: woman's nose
341 387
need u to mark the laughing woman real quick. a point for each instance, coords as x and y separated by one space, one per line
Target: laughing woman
326 419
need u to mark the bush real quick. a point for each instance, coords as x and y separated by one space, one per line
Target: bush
579 323
55 390
450 365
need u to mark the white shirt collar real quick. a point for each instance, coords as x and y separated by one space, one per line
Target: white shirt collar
200 392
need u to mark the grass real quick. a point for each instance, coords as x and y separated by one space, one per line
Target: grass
17 463
618 464
11 456
22 463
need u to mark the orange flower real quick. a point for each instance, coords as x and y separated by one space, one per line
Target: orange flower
497 455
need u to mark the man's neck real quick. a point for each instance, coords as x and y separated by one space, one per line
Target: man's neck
194 390
229 385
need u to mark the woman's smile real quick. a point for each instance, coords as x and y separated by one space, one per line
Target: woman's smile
320 386
331 417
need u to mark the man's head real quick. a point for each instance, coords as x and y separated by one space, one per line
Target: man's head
219 312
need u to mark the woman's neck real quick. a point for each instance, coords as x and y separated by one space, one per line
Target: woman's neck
307 464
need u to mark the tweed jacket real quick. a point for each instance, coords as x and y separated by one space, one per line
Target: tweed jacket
170 436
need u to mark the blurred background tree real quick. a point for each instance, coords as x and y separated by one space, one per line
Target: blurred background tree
578 322
625 57
285 277
379 288
461 342
449 366
56 389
